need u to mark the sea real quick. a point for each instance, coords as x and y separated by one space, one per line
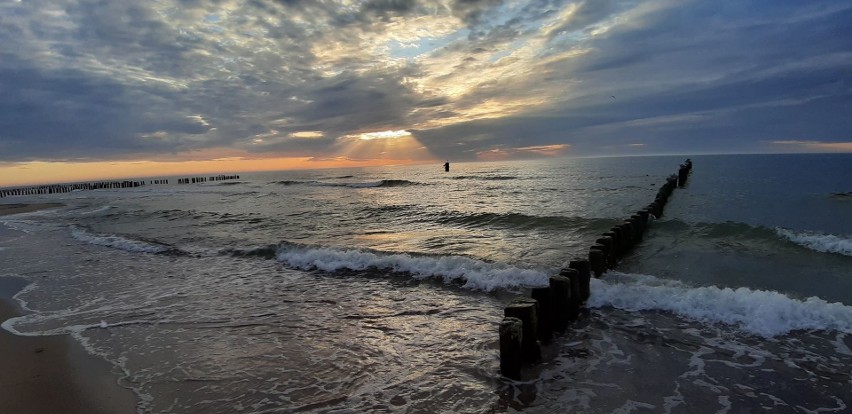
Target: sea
380 289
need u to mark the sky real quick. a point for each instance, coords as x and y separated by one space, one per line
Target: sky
117 88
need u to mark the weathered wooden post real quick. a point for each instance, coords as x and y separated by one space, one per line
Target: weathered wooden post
574 299
630 234
682 175
545 313
623 244
583 268
609 249
597 259
511 356
527 311
639 223
615 234
560 293
656 209
645 214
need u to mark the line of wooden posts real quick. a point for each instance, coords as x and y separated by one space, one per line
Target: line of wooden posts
531 322
67 188
193 180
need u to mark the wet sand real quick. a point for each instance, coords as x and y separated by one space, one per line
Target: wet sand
52 374
6 209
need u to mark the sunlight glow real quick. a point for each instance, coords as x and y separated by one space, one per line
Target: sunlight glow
306 134
817 146
40 172
384 135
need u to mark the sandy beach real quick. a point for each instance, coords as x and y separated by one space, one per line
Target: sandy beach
51 374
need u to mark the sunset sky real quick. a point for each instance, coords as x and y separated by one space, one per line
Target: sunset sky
120 88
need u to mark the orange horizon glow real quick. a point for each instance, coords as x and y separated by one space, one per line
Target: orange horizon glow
44 172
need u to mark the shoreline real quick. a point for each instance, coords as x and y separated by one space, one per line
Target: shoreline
18 208
51 374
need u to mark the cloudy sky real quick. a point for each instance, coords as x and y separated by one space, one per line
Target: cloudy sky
290 83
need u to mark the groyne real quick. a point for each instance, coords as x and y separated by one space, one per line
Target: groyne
531 322
99 185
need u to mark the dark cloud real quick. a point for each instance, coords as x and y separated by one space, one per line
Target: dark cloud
99 79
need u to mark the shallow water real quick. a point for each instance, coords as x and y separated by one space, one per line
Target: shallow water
380 289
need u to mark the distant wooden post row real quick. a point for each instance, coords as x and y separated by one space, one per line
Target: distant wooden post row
553 308
67 188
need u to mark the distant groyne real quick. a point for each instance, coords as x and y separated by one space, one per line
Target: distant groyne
530 322
99 185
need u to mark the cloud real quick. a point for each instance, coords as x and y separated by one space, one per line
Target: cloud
107 80
535 151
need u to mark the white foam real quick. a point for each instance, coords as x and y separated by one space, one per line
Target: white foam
117 242
97 210
476 274
23 226
826 243
760 312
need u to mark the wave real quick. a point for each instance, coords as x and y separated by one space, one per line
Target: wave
368 184
471 273
759 312
293 182
778 236
842 196
725 230
372 184
122 243
210 217
486 177
265 252
97 210
825 243
518 220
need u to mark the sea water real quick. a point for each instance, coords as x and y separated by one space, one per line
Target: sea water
380 289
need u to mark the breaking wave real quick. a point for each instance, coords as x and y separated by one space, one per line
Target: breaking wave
825 243
471 273
121 242
759 312
368 184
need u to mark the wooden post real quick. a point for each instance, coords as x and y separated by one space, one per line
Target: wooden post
646 216
597 259
574 299
629 234
511 338
527 311
615 235
609 249
560 293
682 175
545 313
621 245
583 267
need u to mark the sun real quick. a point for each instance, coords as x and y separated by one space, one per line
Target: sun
384 135
384 145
